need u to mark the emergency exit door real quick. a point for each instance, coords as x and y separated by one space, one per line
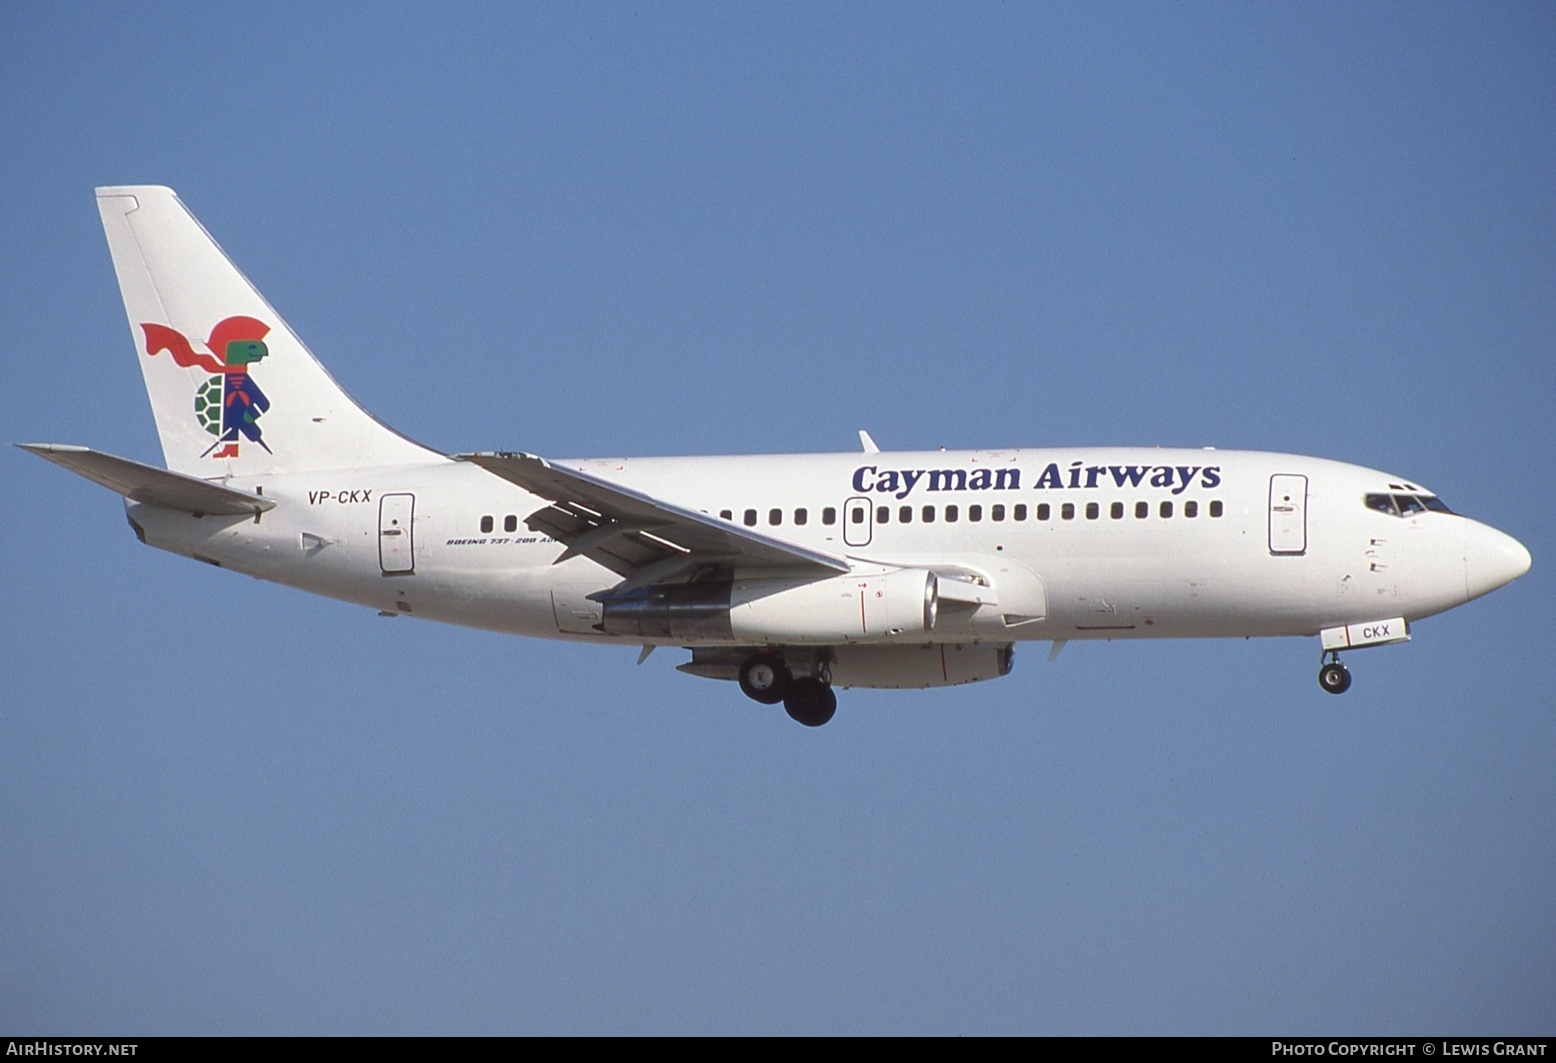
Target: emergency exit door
396 542
857 523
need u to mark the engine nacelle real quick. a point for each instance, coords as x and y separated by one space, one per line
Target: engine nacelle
940 664
856 608
686 612
898 603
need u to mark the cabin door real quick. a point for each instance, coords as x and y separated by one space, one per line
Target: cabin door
1288 514
396 542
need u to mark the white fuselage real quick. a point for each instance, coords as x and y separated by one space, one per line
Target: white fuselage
1076 543
788 574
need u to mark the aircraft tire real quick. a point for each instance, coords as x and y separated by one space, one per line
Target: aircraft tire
765 678
1335 678
810 702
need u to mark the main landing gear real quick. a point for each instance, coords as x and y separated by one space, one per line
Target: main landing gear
1334 676
808 699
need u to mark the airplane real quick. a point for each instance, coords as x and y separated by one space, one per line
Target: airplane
787 574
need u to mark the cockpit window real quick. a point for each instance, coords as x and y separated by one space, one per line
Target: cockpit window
1403 505
1383 504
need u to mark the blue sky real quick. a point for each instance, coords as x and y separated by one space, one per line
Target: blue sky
226 807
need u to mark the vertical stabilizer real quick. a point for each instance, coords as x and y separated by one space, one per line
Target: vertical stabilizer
233 390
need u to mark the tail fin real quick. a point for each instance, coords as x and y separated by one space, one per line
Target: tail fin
233 390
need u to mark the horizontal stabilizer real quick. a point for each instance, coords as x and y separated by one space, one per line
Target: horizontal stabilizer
147 483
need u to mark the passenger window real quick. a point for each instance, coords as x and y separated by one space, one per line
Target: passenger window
975 513
950 514
1116 511
726 514
800 516
750 516
829 516
1093 511
928 515
1215 508
1142 510
883 514
510 523
486 525
1067 511
905 515
1044 511
856 515
1019 513
1191 509
996 512
775 517
1166 509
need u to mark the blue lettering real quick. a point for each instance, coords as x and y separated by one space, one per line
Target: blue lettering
948 480
1186 474
1128 474
901 483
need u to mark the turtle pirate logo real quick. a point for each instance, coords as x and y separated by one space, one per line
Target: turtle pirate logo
229 404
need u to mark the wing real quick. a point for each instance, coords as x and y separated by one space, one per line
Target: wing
637 536
147 483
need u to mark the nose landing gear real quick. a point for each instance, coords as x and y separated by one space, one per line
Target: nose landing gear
1333 676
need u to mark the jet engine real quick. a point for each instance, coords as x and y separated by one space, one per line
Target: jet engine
883 666
904 601
841 609
939 664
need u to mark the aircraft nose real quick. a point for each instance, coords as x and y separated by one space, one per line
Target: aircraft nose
1491 559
